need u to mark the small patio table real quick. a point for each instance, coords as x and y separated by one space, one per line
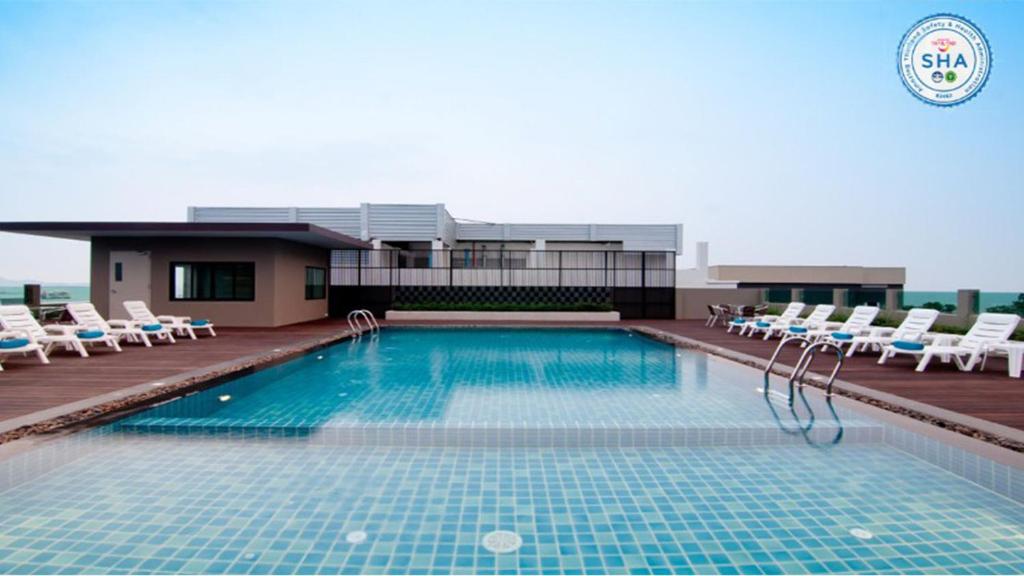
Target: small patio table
1014 356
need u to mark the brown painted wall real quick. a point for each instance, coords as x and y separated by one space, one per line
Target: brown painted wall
290 304
692 303
280 278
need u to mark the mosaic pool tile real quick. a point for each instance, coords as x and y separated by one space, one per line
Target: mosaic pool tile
605 452
202 505
466 379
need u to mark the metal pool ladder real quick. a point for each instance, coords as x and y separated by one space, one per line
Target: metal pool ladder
802 365
356 317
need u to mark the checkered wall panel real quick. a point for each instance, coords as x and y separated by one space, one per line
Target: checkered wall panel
504 294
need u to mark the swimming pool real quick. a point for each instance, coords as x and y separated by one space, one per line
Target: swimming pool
604 451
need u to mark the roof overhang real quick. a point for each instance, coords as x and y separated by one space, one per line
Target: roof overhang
295 232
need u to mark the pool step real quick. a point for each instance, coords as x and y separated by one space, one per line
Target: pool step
497 436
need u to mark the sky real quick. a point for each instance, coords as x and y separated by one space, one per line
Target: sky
778 132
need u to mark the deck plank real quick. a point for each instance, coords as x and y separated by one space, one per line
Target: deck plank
990 395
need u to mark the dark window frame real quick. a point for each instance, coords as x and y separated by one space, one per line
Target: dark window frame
310 287
212 276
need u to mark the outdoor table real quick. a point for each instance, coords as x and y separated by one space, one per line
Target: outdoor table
1014 356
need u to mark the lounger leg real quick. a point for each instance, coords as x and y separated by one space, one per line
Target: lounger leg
112 342
42 356
885 355
925 359
145 340
80 346
212 333
191 332
971 361
170 337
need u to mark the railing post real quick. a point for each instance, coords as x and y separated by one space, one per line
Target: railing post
605 268
559 268
359 267
643 284
451 268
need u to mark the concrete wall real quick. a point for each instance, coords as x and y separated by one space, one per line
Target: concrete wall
858 275
692 303
280 278
290 304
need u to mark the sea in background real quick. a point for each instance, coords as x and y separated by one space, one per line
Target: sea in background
52 293
986 300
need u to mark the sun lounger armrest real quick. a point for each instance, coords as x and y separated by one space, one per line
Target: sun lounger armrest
831 326
121 323
62 329
940 339
882 332
167 319
767 318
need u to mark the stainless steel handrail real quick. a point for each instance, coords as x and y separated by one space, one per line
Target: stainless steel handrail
355 325
804 363
807 358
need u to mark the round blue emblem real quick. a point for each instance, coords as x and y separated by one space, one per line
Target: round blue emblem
944 60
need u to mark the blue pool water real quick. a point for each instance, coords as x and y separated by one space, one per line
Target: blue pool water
606 452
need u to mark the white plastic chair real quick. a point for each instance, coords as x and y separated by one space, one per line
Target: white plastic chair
144 319
840 334
86 316
799 326
27 347
766 323
913 328
182 325
18 318
989 328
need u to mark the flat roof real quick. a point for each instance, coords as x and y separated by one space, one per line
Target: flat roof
302 233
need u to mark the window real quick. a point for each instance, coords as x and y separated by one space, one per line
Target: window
225 281
316 283
118 271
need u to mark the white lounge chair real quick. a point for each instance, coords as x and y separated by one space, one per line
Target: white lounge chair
17 318
989 328
144 319
912 329
18 343
86 316
800 326
841 334
766 323
182 325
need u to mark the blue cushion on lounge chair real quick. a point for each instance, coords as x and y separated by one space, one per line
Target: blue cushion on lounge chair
763 324
842 336
905 345
739 321
90 334
152 327
798 330
199 322
13 343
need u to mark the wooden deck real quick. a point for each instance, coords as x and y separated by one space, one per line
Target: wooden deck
27 386
990 395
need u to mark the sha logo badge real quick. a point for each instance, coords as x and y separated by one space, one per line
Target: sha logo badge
944 60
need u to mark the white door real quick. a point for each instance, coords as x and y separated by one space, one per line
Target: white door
129 280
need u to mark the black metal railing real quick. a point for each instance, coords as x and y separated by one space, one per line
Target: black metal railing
569 268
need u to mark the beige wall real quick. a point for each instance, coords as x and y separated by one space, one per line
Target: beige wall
692 303
808 274
280 278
